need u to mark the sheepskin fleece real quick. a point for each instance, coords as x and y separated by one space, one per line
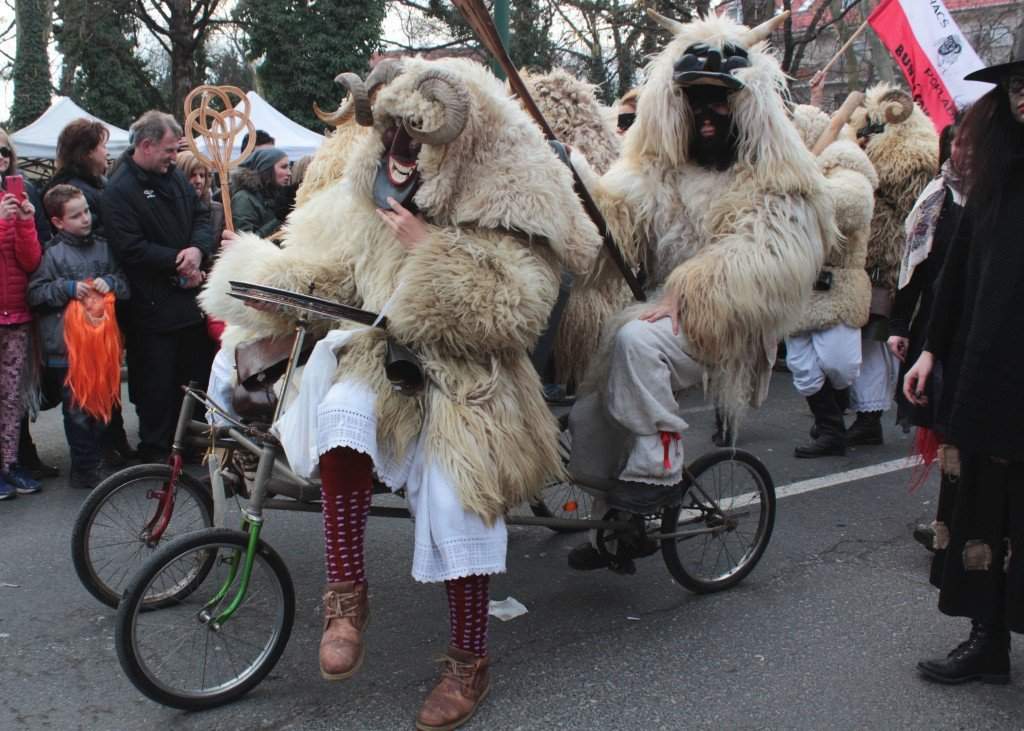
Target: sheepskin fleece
329 160
906 158
502 221
738 250
578 119
850 181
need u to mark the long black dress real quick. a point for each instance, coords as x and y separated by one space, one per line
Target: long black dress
977 331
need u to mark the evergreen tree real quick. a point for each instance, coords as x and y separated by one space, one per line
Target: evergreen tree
32 86
102 72
304 44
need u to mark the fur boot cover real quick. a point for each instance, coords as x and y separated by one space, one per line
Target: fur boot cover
906 158
577 118
850 180
471 299
738 249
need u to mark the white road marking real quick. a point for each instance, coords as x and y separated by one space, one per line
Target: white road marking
838 478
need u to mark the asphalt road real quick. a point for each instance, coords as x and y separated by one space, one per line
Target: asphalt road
824 633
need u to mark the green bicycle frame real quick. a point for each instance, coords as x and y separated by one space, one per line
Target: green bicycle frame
252 525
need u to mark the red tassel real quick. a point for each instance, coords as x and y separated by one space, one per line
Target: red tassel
926 446
667 437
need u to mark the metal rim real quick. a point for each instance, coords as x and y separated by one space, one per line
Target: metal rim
187 614
130 520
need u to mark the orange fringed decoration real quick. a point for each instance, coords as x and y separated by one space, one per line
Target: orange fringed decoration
926 446
93 341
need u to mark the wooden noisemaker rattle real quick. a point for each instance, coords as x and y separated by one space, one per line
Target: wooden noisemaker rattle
218 128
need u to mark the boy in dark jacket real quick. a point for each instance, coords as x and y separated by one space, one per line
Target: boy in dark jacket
75 262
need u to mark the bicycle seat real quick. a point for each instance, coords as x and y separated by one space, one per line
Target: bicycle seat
632 497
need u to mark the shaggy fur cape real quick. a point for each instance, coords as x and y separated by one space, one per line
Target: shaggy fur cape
906 158
737 250
475 295
577 118
850 181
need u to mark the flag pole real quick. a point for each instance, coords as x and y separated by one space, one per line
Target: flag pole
817 78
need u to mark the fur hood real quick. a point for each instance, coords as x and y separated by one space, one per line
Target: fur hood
247 180
768 146
487 176
578 119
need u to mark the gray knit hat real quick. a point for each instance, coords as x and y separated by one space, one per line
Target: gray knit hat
263 159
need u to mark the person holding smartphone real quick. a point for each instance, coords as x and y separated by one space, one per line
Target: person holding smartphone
20 254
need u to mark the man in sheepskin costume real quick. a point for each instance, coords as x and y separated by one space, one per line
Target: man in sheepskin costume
824 352
903 146
718 197
468 285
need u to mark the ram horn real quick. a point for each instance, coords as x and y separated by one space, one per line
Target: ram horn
898 106
672 26
358 103
441 87
383 74
764 31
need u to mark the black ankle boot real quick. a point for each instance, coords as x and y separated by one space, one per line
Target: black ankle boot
866 429
985 656
830 430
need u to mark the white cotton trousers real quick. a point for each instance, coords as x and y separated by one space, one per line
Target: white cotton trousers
875 387
833 353
450 542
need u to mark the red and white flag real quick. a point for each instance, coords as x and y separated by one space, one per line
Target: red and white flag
932 53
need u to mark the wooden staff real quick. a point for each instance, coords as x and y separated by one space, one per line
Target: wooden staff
218 129
839 118
817 78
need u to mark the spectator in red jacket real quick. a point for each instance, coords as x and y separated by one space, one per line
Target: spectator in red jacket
20 254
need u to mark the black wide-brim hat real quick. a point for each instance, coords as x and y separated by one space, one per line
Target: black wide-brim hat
998 72
995 74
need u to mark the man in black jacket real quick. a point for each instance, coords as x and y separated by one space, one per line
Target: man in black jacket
161 237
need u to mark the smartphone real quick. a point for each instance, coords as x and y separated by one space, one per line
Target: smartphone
15 185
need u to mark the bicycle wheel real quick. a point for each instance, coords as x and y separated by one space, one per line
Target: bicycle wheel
176 655
563 499
108 541
724 521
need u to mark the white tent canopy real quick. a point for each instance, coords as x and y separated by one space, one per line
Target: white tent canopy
39 139
293 138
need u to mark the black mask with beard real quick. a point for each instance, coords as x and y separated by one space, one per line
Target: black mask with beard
719 150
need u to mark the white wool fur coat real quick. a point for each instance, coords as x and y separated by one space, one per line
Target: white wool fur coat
503 220
736 250
906 158
850 181
577 118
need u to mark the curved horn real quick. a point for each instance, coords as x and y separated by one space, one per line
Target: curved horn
898 106
764 31
382 74
440 86
672 26
336 118
358 103
360 97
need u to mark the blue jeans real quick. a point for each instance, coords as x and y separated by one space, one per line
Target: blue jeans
83 432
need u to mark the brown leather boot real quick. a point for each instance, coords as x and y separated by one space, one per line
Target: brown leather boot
464 682
346 612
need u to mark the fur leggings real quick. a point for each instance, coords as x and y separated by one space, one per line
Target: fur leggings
347 487
13 352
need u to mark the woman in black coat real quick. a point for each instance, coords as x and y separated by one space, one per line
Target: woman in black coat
975 332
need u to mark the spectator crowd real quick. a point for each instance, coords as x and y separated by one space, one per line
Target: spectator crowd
99 276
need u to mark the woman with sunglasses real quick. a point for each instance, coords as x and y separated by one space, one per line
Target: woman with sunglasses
974 331
20 254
